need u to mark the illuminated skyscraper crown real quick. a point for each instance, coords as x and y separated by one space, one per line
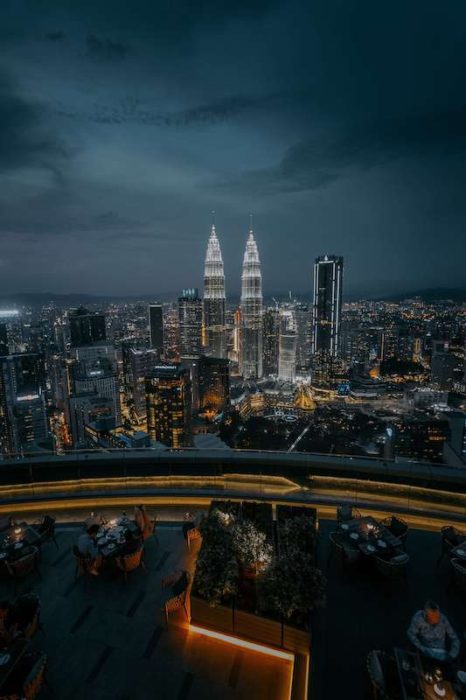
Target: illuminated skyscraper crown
214 276
251 278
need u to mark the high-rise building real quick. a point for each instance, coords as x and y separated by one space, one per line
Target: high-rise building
251 312
23 418
214 384
328 283
156 328
287 346
271 332
86 328
99 378
137 365
190 320
214 299
302 315
168 398
3 339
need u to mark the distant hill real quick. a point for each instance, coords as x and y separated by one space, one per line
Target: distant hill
456 294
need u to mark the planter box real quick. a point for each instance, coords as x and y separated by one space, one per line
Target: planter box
296 640
220 617
259 629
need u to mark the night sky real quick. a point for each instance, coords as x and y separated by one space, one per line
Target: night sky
341 125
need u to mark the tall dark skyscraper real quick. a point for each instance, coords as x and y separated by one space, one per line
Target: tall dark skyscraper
168 398
23 419
251 312
326 319
3 339
214 299
86 328
214 384
190 322
156 328
271 331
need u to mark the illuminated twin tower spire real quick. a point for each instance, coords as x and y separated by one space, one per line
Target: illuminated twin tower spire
250 356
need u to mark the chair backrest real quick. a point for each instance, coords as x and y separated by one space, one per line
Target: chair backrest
48 526
394 566
450 535
344 512
129 562
24 565
375 670
35 678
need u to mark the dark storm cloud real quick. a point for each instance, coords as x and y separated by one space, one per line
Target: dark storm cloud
130 111
25 140
353 113
55 36
314 163
105 49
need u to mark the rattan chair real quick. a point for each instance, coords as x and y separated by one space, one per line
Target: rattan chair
36 676
45 528
24 566
178 582
378 667
451 538
458 567
192 535
398 527
396 567
346 512
130 562
344 552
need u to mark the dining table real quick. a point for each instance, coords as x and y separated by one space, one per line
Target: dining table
15 541
111 537
370 536
459 552
418 680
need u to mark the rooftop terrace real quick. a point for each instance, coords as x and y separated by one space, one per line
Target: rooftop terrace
106 639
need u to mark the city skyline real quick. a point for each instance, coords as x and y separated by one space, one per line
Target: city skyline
120 134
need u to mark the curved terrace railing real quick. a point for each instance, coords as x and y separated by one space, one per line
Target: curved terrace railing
409 487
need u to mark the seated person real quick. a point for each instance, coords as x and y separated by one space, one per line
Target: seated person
432 634
88 548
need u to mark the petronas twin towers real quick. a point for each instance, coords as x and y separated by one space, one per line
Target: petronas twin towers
250 356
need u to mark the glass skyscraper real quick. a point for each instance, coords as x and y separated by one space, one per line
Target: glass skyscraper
214 299
326 318
251 312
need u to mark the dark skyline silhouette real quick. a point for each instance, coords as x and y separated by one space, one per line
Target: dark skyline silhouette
342 126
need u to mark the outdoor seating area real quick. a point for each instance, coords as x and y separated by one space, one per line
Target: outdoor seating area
69 633
362 639
90 629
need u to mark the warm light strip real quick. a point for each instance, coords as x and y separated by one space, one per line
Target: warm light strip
252 646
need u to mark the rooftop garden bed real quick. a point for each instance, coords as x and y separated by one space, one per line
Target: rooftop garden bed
246 574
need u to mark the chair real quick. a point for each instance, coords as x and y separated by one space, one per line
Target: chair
130 562
46 530
398 527
459 573
25 615
345 553
24 566
378 668
347 512
192 535
394 567
82 561
451 538
179 583
36 676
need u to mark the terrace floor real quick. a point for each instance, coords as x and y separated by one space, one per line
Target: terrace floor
106 640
